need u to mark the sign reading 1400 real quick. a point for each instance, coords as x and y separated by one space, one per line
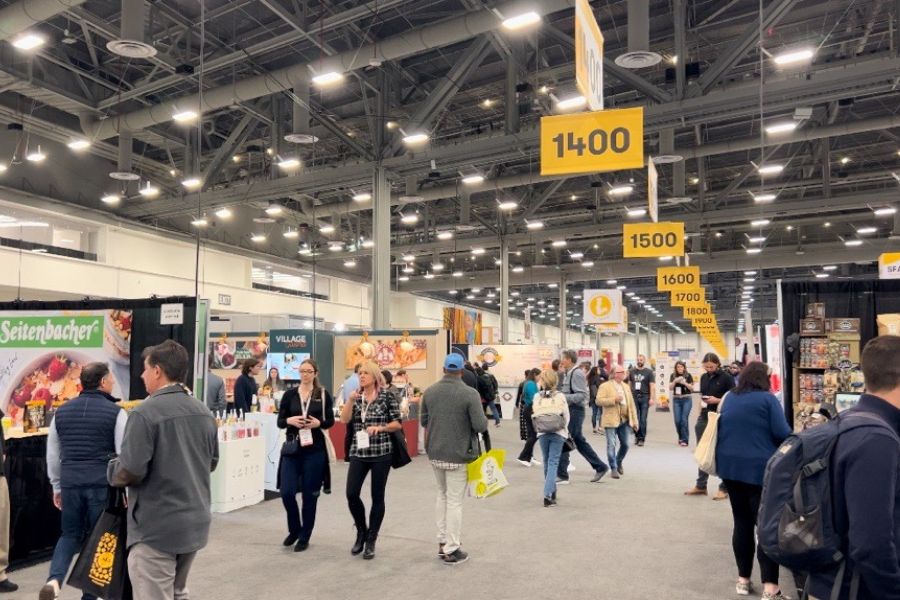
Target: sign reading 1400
592 142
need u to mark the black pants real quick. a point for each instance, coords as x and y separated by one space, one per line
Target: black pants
304 473
528 451
356 475
744 498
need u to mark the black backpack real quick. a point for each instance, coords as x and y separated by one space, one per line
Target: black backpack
795 525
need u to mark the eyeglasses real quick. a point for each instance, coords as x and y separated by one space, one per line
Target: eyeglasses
307 372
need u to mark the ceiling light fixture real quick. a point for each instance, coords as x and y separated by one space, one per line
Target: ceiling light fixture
336 246
477 251
192 183
885 211
532 225
571 102
274 209
38 156
111 199
409 218
224 213
368 243
587 264
362 197
79 144
149 191
457 273
289 163
473 179
258 238
185 116
350 263
558 243
403 278
866 230
429 275
412 139
769 169
783 127
756 239
29 41
409 257
666 258
621 190
760 223
636 212
754 250
437 267
829 268
291 234
521 21
822 275
200 222
763 197
508 205
328 78
852 243
794 56
445 235
845 160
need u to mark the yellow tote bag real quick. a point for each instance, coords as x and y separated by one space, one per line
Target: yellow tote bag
485 474
705 453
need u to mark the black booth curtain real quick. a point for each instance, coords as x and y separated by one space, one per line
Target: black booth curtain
864 300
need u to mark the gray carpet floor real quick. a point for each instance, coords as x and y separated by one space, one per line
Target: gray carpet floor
636 538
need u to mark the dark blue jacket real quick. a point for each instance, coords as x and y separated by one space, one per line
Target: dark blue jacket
86 427
244 389
866 490
751 427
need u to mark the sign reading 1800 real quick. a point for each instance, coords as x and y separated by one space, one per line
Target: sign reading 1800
592 142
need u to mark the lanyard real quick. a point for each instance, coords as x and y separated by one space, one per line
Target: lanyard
365 406
304 405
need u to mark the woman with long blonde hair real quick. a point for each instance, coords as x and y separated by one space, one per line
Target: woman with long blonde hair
372 414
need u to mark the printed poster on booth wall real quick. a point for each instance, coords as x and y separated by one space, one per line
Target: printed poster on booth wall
464 325
42 354
388 352
507 362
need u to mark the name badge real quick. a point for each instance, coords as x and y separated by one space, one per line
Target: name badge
637 386
362 439
306 437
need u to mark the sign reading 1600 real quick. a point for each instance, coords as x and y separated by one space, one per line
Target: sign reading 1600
592 142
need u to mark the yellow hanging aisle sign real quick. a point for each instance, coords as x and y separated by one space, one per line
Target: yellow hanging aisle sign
588 55
685 298
592 142
670 279
647 240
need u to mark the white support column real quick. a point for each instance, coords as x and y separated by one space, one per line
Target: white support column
563 324
381 255
504 291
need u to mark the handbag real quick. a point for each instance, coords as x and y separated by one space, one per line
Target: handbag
102 565
705 453
291 446
484 475
399 452
569 444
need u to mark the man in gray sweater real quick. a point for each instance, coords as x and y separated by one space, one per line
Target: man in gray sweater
168 451
452 417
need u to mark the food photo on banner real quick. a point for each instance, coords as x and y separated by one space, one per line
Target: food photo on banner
42 354
387 352
465 325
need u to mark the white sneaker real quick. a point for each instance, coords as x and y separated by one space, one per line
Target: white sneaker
571 468
50 591
524 463
536 462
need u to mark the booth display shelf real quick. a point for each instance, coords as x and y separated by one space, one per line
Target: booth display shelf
239 478
273 438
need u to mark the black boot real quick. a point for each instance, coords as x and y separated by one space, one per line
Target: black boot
369 554
360 540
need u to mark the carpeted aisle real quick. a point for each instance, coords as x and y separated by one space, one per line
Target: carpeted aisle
636 538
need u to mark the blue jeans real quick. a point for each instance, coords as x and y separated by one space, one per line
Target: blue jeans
576 424
551 448
596 411
495 413
81 507
681 409
643 409
623 432
303 473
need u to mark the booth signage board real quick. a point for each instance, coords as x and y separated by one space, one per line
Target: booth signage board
528 324
685 298
507 363
602 306
42 354
691 312
592 142
669 279
588 55
653 192
621 327
889 265
647 240
171 314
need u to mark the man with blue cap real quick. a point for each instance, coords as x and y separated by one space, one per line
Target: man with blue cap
452 417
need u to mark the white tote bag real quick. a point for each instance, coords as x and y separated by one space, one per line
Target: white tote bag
705 453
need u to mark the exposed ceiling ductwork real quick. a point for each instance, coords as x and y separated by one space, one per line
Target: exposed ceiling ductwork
131 43
393 48
639 55
21 16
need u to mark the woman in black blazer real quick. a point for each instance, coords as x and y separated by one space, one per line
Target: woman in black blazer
306 412
246 387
